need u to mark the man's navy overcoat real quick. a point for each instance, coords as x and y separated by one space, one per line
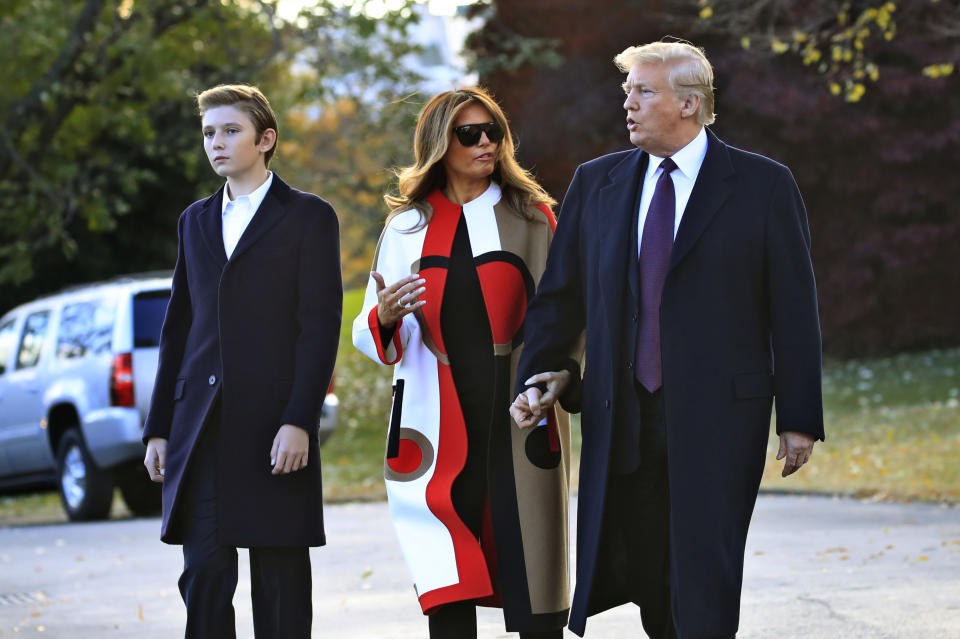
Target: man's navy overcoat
739 326
260 332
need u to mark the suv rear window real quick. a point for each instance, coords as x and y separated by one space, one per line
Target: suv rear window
86 328
149 308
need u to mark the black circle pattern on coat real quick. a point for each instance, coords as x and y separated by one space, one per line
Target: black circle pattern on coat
538 448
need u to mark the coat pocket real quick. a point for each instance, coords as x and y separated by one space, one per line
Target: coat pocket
178 388
393 435
753 385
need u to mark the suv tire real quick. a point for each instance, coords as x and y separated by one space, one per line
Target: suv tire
142 496
86 491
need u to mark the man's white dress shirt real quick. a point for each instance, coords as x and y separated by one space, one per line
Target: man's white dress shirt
689 159
238 212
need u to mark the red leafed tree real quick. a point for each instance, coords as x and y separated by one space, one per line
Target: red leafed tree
878 172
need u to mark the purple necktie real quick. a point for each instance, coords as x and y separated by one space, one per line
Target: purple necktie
655 246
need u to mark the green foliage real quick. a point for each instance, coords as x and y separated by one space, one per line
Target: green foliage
844 40
98 121
99 137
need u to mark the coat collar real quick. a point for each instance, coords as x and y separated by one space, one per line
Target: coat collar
615 212
712 188
271 210
615 216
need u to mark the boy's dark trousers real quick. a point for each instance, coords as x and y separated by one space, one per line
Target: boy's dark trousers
280 578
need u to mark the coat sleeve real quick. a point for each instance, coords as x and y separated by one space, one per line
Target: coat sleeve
794 318
555 317
319 313
173 339
367 336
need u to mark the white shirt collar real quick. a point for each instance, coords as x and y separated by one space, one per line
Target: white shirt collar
485 200
255 198
689 159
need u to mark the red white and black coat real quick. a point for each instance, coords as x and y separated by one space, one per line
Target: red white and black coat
520 562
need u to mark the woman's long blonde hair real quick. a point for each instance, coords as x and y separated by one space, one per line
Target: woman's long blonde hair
430 144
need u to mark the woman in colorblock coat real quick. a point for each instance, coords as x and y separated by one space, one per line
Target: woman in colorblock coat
479 506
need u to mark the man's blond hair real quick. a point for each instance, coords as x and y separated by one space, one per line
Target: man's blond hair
689 71
247 98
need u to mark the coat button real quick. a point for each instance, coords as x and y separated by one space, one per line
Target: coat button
635 317
630 366
212 380
606 403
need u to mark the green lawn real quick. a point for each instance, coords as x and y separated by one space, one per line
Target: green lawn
353 457
892 424
893 430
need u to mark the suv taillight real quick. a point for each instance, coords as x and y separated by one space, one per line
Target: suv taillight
121 381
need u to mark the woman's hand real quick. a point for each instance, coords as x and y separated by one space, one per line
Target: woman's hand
398 299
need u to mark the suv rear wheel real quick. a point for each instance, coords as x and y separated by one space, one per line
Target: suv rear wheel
85 490
141 495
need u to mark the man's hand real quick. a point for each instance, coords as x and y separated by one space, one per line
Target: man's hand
531 405
156 459
291 448
796 448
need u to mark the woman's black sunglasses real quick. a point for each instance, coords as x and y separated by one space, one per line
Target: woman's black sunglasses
469 134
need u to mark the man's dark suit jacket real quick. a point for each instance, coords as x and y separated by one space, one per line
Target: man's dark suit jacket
260 331
739 327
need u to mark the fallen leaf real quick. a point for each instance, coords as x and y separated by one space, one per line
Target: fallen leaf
140 612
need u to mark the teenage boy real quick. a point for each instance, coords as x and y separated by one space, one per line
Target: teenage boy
246 352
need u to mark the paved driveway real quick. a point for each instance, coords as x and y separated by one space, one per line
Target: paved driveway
815 567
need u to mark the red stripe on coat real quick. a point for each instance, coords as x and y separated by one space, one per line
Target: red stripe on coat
451 458
549 215
438 241
505 296
374 325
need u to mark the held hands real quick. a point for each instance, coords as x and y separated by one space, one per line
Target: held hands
796 448
531 405
156 459
398 299
291 448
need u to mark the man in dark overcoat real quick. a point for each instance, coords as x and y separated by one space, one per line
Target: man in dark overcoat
687 262
247 350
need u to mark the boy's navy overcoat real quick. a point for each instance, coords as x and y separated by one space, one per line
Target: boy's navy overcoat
739 327
259 332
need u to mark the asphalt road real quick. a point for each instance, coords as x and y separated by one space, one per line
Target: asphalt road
815 567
